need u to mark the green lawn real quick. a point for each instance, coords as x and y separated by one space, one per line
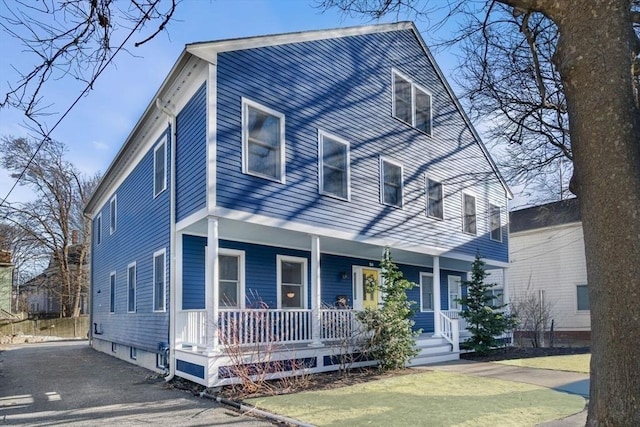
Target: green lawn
572 363
426 398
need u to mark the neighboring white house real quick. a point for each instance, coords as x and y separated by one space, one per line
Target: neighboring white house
547 261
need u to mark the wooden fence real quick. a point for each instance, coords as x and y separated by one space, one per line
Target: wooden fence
58 327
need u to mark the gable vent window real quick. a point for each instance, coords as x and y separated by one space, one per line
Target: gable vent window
391 182
159 169
262 142
411 103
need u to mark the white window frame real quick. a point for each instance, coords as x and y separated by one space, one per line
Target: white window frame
456 281
135 286
161 146
489 220
113 214
578 310
414 87
98 229
464 213
241 277
422 309
384 160
112 291
246 104
305 273
161 253
426 191
321 136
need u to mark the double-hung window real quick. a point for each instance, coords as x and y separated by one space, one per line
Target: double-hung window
131 287
112 292
292 281
582 294
160 168
435 199
263 152
159 280
334 166
411 103
426 292
113 213
391 182
469 214
495 223
230 278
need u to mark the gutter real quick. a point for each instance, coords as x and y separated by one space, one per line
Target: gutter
172 244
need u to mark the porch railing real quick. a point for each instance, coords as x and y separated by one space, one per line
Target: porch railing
450 330
338 324
259 326
191 328
455 314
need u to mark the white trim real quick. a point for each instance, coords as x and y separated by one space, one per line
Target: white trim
357 285
321 135
241 277
464 212
305 273
135 286
246 103
156 254
433 285
212 141
193 218
113 214
113 292
426 194
161 145
384 160
491 206
99 228
457 280
414 87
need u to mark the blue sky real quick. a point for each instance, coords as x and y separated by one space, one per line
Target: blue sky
100 123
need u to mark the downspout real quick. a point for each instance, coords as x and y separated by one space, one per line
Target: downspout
172 243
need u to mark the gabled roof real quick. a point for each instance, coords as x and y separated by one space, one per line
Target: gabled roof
208 51
547 215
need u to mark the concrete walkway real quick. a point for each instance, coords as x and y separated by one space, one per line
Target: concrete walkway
567 382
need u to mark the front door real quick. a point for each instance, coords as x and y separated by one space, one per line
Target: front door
366 292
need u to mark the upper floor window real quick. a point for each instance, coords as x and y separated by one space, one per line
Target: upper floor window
426 292
469 214
160 168
262 142
292 282
112 292
495 223
98 229
230 278
582 294
131 287
334 166
411 103
435 199
159 280
391 182
113 212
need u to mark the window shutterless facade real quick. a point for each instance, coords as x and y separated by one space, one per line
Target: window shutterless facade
391 185
411 103
98 229
113 213
426 292
495 222
131 287
292 282
263 148
231 279
160 168
469 214
334 178
112 292
435 199
159 280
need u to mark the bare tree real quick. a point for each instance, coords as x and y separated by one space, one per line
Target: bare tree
54 223
595 52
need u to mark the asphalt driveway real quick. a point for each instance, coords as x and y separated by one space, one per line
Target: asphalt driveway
68 383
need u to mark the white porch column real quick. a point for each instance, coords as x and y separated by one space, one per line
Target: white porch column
316 294
437 330
211 283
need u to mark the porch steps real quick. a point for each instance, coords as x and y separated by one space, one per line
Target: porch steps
433 350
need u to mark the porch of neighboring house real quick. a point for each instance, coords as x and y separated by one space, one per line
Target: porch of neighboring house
299 314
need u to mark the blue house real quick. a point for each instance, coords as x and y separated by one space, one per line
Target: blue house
252 202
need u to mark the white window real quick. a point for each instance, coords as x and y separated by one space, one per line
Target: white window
391 184
469 214
333 155
426 292
292 282
495 223
411 103
582 295
435 199
262 142
160 168
159 280
113 212
231 278
98 229
112 292
131 287
455 292
497 296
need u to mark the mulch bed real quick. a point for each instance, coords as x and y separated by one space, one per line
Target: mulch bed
523 353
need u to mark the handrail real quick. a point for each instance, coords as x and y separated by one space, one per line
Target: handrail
450 331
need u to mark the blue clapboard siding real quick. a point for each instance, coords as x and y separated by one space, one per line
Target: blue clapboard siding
193 276
343 86
142 229
191 155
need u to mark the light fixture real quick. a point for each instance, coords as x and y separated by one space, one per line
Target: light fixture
291 294
344 275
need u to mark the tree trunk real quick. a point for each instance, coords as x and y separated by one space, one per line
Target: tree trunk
594 57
